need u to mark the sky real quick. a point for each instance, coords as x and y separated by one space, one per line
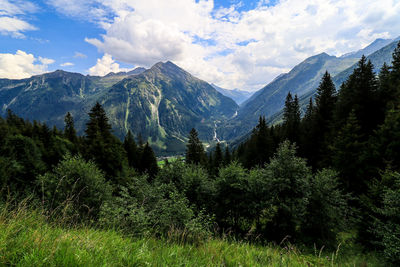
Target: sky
240 44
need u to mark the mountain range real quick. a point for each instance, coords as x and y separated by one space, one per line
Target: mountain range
163 103
237 95
302 80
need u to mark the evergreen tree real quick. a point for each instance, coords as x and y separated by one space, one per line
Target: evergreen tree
102 146
194 149
69 130
347 150
227 156
291 118
323 118
307 147
148 161
359 93
131 150
218 158
98 125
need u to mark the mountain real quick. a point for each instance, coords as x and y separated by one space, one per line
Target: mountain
135 71
164 103
377 59
302 79
161 104
237 95
368 50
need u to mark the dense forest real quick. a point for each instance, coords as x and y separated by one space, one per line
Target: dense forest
315 179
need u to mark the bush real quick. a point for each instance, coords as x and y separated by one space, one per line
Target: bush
142 208
328 211
286 179
387 225
75 187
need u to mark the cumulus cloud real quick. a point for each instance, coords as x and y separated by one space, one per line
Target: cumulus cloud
22 65
12 17
105 65
228 46
67 64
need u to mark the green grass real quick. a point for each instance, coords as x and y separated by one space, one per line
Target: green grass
26 239
161 163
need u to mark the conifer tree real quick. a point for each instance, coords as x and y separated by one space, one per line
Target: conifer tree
347 150
291 118
218 156
131 150
148 161
194 149
227 156
359 93
102 146
69 130
323 118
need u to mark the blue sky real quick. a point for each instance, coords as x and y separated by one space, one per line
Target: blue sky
233 43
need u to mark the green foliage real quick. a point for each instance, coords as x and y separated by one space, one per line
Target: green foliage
291 118
232 197
287 182
27 240
21 163
195 151
143 208
328 211
75 188
193 181
102 147
387 225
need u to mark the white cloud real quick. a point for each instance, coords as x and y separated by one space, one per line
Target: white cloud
79 55
12 21
229 47
22 65
105 65
67 64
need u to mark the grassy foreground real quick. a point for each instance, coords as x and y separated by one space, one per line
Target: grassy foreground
27 240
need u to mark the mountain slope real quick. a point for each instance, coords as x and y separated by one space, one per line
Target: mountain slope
302 79
162 104
237 95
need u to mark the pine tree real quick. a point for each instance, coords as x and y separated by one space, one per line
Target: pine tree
347 150
98 124
323 119
69 130
227 156
359 93
102 146
131 150
291 118
148 161
194 149
307 148
218 157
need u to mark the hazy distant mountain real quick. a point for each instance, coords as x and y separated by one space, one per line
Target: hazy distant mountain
368 50
162 103
135 71
238 95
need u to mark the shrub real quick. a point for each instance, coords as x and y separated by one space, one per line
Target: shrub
76 187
